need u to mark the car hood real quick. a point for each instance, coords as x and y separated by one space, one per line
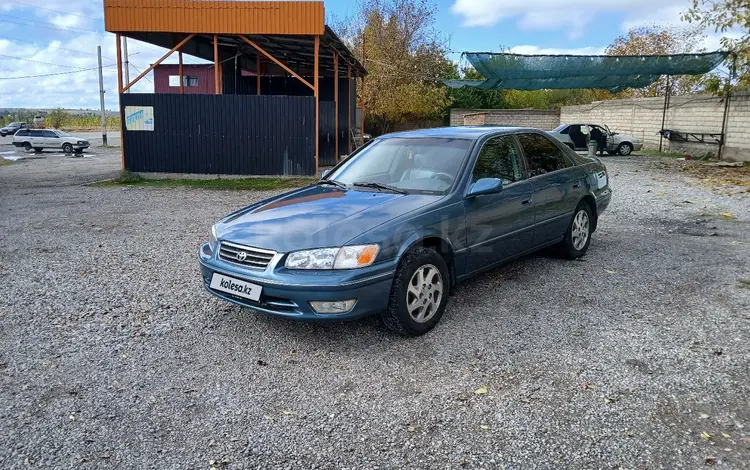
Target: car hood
314 217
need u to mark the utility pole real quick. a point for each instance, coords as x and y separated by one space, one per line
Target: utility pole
101 96
127 63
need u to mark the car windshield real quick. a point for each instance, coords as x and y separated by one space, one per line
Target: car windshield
14 124
559 128
408 164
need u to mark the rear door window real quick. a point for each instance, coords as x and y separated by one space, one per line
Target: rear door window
542 155
34 133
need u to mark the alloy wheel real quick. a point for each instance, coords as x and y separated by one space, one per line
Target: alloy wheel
580 230
424 293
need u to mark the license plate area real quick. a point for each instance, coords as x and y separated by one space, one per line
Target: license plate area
238 287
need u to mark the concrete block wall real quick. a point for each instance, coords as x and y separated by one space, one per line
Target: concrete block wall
642 118
546 119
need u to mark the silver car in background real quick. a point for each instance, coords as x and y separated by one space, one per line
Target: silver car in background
39 139
577 136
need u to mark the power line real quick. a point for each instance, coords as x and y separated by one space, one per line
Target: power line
52 25
40 62
139 71
56 11
54 74
46 46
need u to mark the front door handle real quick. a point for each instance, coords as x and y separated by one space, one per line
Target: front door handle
577 184
527 201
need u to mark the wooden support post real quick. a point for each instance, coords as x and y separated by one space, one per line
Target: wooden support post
257 72
348 109
317 102
119 97
155 64
182 80
216 64
119 62
336 100
278 62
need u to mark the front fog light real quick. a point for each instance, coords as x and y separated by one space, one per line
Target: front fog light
334 306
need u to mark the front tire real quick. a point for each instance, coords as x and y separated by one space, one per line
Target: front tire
578 236
67 148
419 293
625 149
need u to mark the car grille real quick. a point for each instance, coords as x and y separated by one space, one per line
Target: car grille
254 258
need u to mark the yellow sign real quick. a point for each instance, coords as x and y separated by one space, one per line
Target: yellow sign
139 118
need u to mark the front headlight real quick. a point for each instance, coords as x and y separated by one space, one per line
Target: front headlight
212 237
346 257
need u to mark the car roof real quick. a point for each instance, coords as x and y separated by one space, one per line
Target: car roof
458 132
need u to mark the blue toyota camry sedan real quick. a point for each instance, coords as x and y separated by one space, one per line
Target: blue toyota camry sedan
391 229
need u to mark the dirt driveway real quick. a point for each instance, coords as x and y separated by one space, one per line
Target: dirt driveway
113 356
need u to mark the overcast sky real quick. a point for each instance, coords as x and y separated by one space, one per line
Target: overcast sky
52 43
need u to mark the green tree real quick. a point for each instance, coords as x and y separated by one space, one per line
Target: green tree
725 16
57 118
405 58
658 40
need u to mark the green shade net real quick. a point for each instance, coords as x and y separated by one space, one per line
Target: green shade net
614 73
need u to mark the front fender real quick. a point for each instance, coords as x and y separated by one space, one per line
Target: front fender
447 223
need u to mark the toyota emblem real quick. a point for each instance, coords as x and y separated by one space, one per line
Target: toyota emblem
241 256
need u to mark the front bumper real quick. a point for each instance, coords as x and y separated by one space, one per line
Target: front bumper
288 293
637 146
81 146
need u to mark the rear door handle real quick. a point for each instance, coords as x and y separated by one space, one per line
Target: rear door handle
527 201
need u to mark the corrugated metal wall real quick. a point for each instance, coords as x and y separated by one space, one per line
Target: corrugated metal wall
223 134
180 16
327 133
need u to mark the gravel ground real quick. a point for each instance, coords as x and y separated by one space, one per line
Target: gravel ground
113 355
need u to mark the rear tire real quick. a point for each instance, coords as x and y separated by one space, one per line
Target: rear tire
578 236
67 148
27 146
38 149
625 149
419 293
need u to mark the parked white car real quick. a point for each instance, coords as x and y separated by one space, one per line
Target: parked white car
39 139
577 136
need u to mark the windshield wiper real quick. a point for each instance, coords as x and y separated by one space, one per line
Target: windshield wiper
333 182
367 184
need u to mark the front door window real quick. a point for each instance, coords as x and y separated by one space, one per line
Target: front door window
499 158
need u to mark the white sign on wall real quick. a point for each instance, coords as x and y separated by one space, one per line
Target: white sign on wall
174 80
139 118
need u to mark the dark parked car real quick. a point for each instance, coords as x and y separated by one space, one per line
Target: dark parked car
390 230
11 128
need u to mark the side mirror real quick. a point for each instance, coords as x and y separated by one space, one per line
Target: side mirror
324 174
486 186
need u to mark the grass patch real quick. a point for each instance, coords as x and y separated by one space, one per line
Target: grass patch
128 178
656 153
4 161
